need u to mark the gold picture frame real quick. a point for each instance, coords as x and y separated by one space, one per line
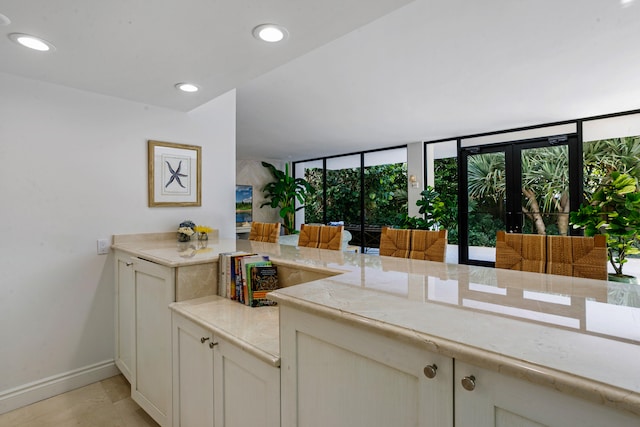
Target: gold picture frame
174 174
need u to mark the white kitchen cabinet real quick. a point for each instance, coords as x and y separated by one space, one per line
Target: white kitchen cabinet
335 374
218 383
498 400
124 313
144 290
246 389
154 290
192 374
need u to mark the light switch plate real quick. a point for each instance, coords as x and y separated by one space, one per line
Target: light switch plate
103 246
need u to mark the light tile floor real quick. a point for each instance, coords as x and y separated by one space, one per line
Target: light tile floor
103 404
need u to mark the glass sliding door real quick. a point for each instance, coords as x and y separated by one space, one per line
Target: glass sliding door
545 200
520 187
486 213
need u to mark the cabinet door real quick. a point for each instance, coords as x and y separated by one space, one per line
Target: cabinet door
192 374
154 290
246 389
124 313
335 374
502 401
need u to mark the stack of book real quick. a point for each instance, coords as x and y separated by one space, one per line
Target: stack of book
247 278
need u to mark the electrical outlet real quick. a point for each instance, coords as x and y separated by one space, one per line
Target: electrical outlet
103 246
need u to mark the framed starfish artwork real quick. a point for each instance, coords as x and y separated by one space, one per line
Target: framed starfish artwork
174 174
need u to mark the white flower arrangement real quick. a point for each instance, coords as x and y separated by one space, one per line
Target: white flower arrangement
186 230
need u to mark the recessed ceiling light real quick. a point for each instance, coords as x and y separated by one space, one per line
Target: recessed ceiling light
271 33
4 20
32 42
187 87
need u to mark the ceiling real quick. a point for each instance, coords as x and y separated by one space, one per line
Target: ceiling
139 49
353 75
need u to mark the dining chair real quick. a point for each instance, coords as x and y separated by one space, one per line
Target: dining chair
321 236
395 242
578 256
264 232
524 252
429 245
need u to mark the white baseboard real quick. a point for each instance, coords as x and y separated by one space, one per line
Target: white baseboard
27 394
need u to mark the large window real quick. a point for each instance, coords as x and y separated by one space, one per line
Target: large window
363 191
313 212
442 175
385 192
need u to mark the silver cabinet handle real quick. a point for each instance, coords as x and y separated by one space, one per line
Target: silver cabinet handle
469 382
430 371
212 344
203 339
129 263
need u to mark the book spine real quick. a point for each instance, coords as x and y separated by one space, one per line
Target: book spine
221 275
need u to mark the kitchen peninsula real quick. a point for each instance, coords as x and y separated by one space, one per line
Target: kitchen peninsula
404 339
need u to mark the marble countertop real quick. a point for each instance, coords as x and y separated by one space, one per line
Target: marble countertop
164 248
579 336
253 329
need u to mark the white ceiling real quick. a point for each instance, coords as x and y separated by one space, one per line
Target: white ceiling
138 49
354 74
444 68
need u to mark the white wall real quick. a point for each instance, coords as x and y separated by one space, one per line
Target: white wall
251 172
73 168
415 166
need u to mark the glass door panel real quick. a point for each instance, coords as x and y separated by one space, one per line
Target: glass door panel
519 187
343 194
385 193
486 209
544 175
313 210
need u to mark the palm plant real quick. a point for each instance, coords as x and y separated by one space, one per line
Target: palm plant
283 192
486 177
545 185
606 155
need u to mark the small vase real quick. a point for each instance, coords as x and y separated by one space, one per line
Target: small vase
183 237
203 236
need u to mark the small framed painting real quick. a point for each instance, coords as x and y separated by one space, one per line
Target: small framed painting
174 174
244 205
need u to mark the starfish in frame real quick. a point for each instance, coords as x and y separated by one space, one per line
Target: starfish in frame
175 174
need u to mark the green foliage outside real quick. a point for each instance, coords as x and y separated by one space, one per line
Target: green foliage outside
545 201
446 185
545 185
385 194
545 191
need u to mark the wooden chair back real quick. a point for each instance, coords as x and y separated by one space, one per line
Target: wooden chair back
395 242
265 232
428 245
577 256
524 252
321 236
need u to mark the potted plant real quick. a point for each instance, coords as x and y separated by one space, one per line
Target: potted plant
431 207
613 210
283 192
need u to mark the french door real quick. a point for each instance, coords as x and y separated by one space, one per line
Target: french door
521 187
